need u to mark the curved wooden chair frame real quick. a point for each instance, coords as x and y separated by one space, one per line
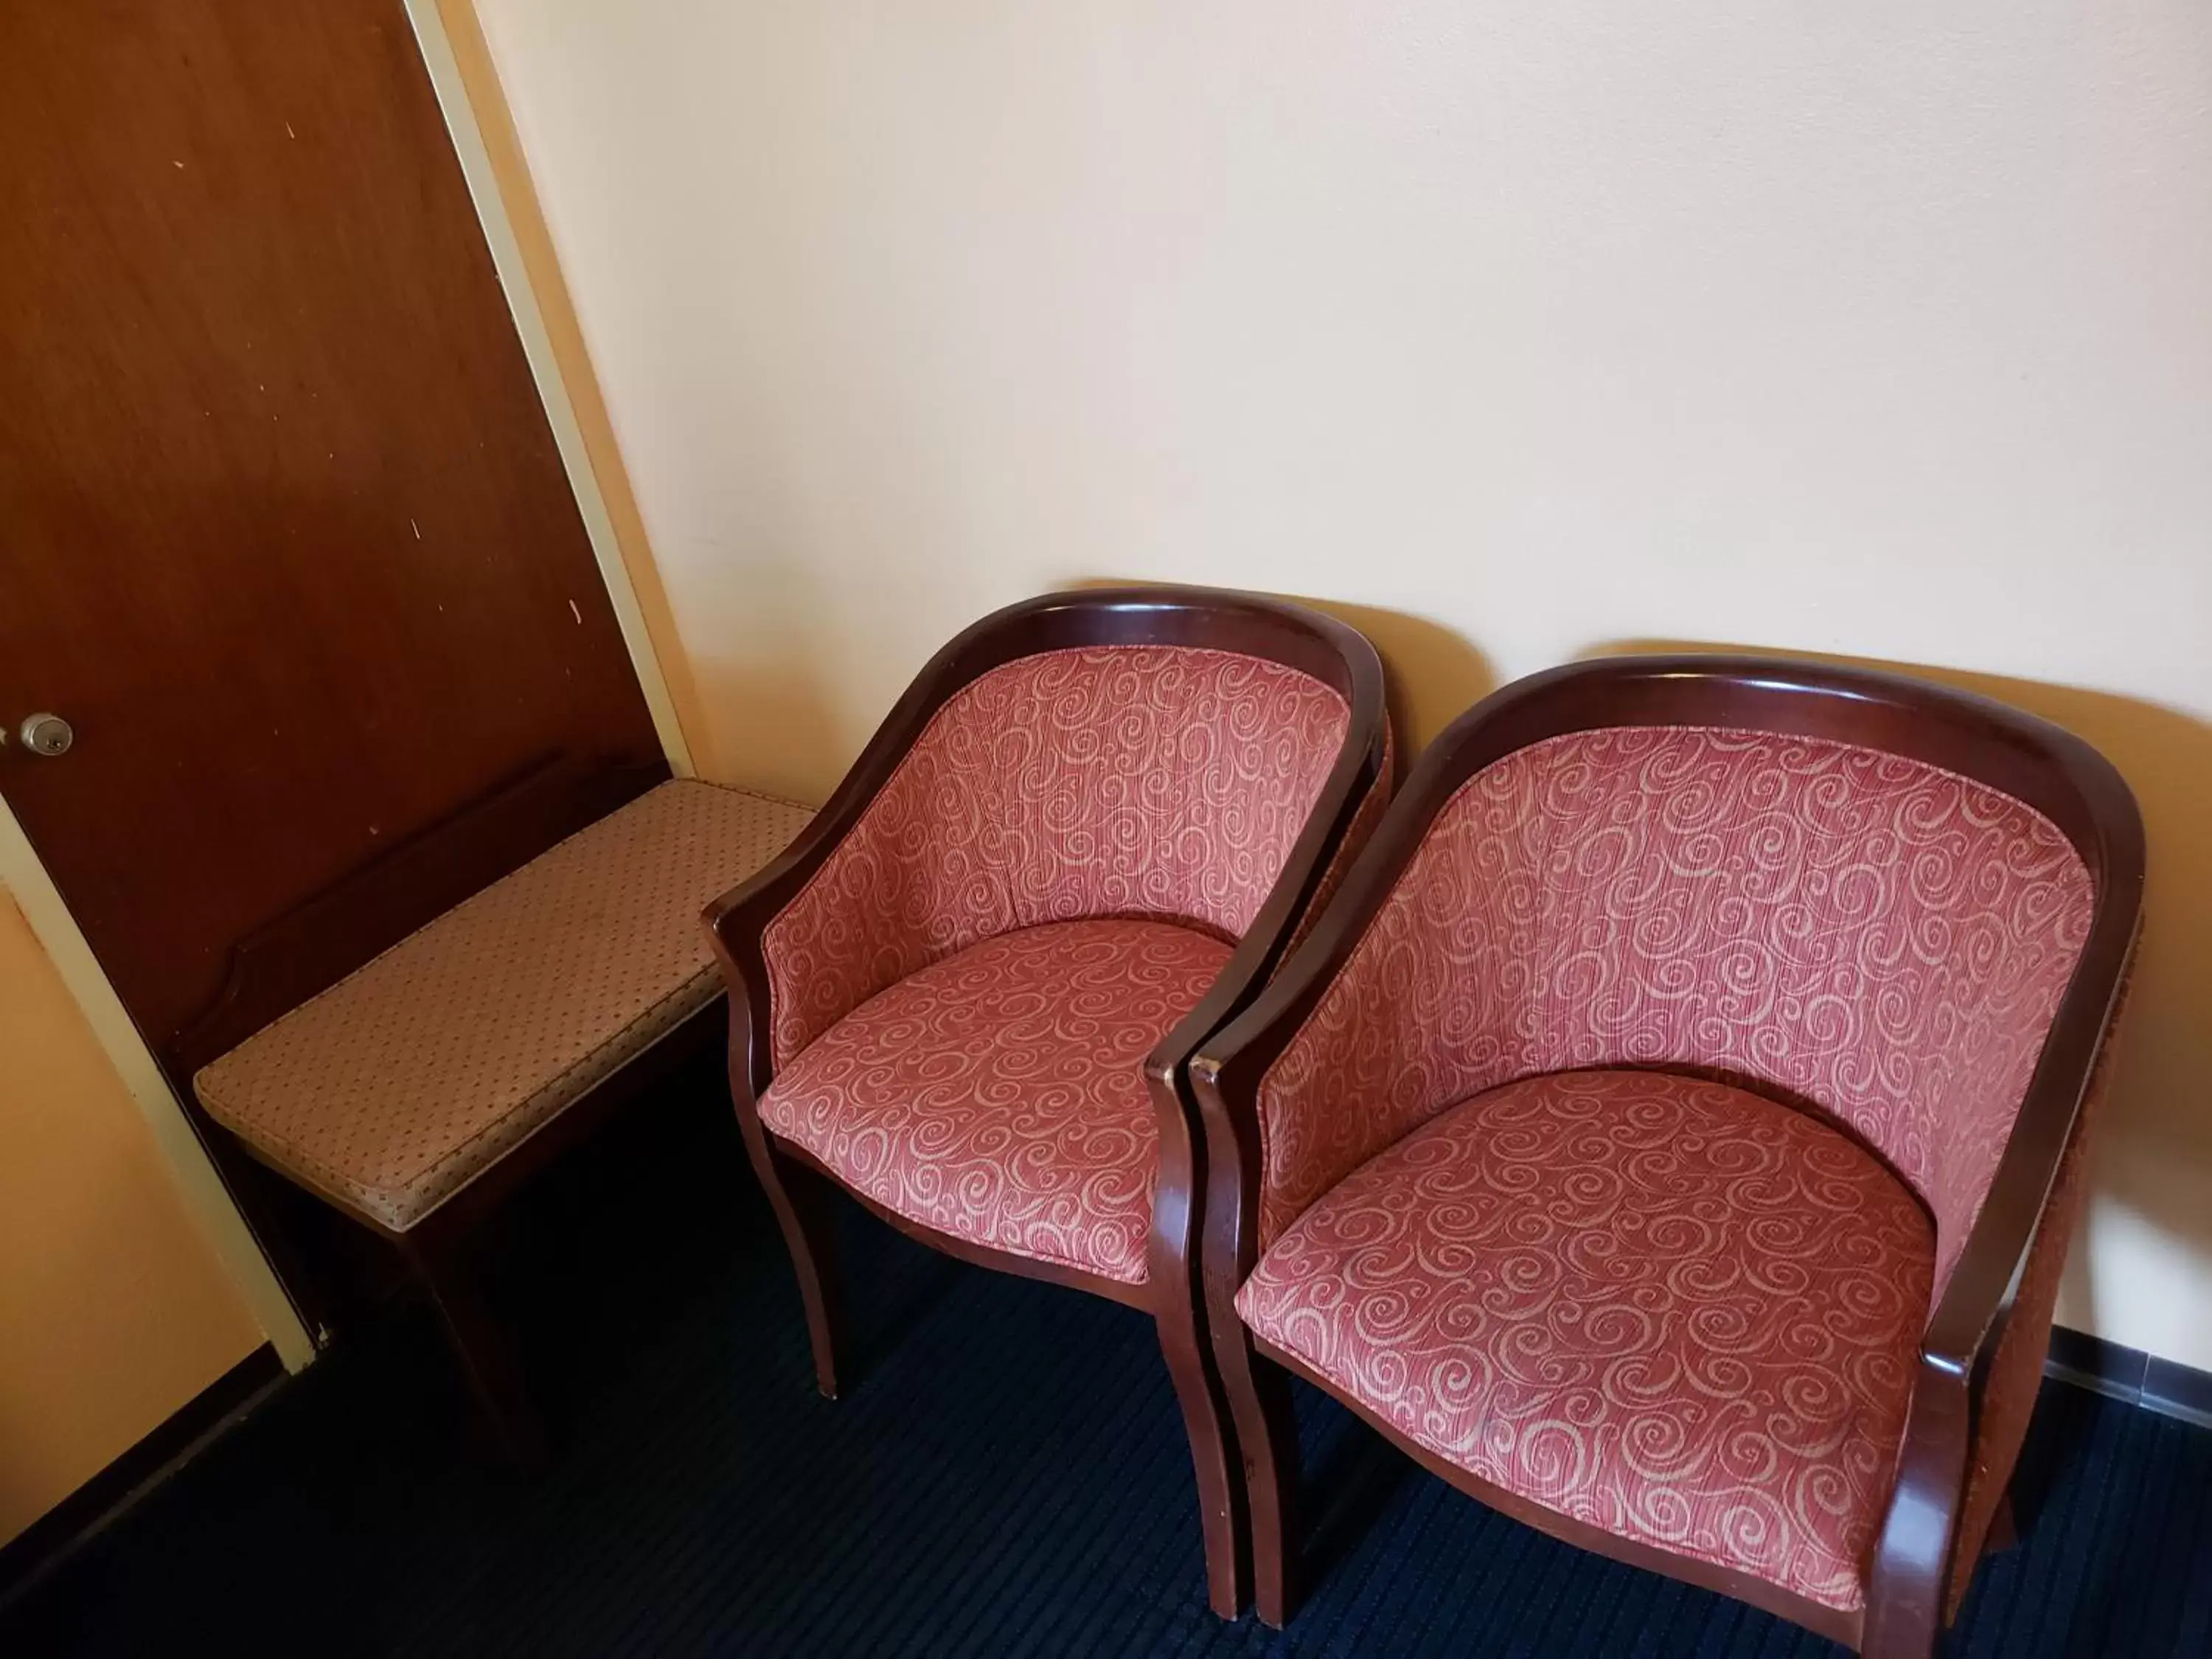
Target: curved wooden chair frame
1922 1557
796 1183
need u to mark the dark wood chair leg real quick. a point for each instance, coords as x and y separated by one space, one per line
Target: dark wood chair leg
800 1198
1258 1392
1903 1639
2003 1534
2004 1528
1213 1454
487 1361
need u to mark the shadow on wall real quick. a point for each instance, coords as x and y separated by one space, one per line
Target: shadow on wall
777 725
2154 1149
1432 674
796 739
795 745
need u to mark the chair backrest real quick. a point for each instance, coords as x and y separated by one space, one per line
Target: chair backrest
1861 895
1157 754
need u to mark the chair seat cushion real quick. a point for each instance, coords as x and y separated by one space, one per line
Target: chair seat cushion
392 1090
1663 1307
998 1096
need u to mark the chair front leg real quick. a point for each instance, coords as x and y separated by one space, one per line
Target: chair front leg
800 1198
1259 1393
2004 1534
1212 1448
1902 1633
1905 1594
1172 1272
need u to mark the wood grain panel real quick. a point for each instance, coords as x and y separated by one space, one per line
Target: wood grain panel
283 530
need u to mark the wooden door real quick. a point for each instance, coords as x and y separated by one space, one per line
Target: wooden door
284 535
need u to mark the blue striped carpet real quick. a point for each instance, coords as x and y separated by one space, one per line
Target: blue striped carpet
1006 1477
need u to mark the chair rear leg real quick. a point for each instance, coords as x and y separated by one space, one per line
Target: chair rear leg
801 1200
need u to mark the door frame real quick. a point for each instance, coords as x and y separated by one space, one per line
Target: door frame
469 94
501 195
175 1138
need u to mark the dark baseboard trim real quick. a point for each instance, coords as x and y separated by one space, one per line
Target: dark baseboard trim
47 1542
2164 1386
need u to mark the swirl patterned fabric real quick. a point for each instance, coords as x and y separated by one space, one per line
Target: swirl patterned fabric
999 1095
1656 1305
1879 936
1357 833
1165 782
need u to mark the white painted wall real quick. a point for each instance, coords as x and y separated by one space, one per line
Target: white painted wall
1882 330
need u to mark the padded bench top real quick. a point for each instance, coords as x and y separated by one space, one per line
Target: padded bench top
406 1080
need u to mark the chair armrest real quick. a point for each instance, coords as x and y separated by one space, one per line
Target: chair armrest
1343 819
737 922
1968 1320
1342 822
1923 1558
1225 1069
1224 1074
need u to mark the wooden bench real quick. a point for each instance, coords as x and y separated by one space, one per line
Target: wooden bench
414 1092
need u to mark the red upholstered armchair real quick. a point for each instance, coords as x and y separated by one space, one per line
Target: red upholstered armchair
1083 839
1671 1132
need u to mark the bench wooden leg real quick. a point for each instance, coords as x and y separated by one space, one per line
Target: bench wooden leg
487 1360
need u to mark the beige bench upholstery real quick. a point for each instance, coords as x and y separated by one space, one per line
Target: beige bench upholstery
401 1084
